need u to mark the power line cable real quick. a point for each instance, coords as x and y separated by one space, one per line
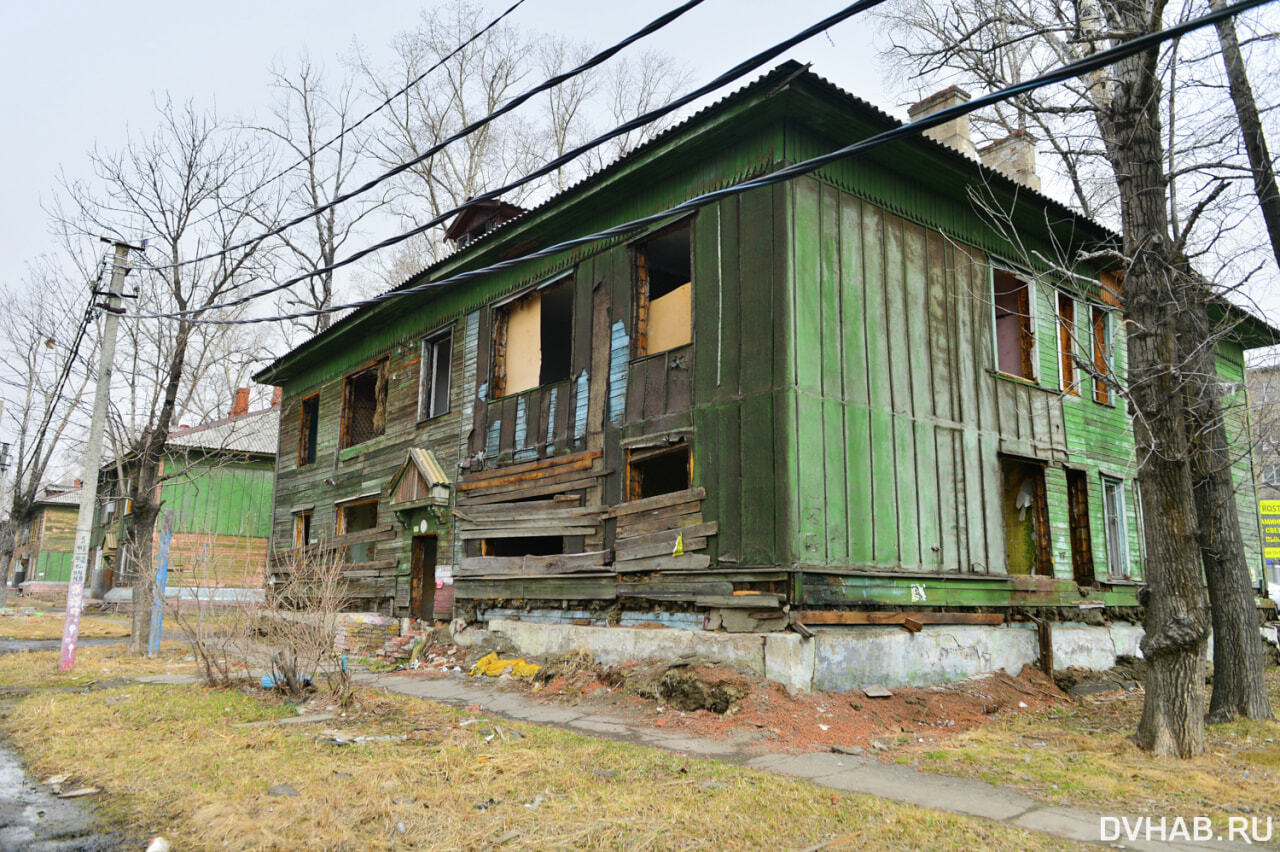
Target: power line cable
1060 74
371 113
550 83
740 70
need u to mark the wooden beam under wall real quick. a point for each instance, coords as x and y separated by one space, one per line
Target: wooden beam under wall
530 470
874 617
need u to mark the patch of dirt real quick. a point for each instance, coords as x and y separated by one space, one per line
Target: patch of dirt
1128 675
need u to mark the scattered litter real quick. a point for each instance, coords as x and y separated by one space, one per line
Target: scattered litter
491 665
876 690
159 844
879 746
56 780
535 804
484 806
825 727
506 838
86 791
282 790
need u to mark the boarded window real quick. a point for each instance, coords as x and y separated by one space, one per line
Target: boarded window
1067 343
658 471
301 529
434 373
308 429
1026 518
1116 527
364 405
1103 352
533 340
1015 332
357 517
664 292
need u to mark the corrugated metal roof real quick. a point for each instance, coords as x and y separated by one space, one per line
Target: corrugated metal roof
255 432
58 497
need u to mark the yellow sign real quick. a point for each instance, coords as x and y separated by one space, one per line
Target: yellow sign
1269 515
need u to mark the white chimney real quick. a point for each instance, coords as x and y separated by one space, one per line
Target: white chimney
1014 156
955 133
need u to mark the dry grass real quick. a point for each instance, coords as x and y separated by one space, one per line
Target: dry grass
46 625
1084 755
93 664
178 761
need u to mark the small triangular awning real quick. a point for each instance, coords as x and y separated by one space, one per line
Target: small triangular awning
420 480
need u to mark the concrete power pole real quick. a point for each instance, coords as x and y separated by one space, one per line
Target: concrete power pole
93 459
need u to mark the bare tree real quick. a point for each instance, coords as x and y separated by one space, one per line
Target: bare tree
176 185
43 335
1108 132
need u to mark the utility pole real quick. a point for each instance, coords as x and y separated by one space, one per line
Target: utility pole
93 456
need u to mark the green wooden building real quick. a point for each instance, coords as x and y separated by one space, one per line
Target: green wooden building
872 393
43 545
216 485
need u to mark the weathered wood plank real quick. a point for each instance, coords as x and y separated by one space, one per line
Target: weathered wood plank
633 526
659 502
517 512
560 563
542 488
667 536
881 617
532 529
489 477
658 548
740 601
537 588
580 462
687 562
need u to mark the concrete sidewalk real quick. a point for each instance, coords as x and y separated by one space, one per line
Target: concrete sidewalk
853 774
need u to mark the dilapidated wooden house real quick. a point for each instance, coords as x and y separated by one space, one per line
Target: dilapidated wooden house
43 546
865 394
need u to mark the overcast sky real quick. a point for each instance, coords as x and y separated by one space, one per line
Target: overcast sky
78 74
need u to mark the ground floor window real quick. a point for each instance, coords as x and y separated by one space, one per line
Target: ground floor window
354 517
663 470
1116 527
301 529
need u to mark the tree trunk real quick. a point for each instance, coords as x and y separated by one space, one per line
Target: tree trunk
1176 618
1255 142
1239 685
8 533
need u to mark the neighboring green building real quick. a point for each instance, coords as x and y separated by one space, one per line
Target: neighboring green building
217 484
43 546
851 395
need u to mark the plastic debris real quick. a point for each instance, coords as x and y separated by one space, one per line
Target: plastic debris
491 666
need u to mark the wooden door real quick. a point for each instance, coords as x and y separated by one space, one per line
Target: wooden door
1078 520
422 577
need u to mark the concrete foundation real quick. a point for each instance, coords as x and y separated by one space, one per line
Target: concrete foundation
838 659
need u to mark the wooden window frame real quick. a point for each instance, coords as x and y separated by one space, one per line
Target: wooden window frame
1114 485
1068 375
307 434
302 528
500 314
1102 326
379 425
632 484
640 287
430 352
1028 339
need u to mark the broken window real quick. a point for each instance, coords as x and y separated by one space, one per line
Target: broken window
1078 521
1026 517
533 339
663 470
301 529
1116 524
354 517
1015 330
433 377
308 429
529 545
1067 343
1103 352
664 292
364 404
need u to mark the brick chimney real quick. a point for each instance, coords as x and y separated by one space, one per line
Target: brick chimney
275 397
241 404
955 133
1014 156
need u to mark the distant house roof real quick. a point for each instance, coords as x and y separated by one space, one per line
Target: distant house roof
60 495
255 432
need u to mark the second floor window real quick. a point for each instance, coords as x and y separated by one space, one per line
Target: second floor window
1103 352
664 292
533 339
1011 298
433 378
1067 343
364 404
308 429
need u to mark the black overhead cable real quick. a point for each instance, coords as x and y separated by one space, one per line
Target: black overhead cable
371 113
1065 72
550 83
740 70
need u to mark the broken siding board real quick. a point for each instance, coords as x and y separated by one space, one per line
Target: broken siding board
541 488
619 352
661 501
669 536
549 588
657 548
563 563
630 527
526 472
526 530
687 562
